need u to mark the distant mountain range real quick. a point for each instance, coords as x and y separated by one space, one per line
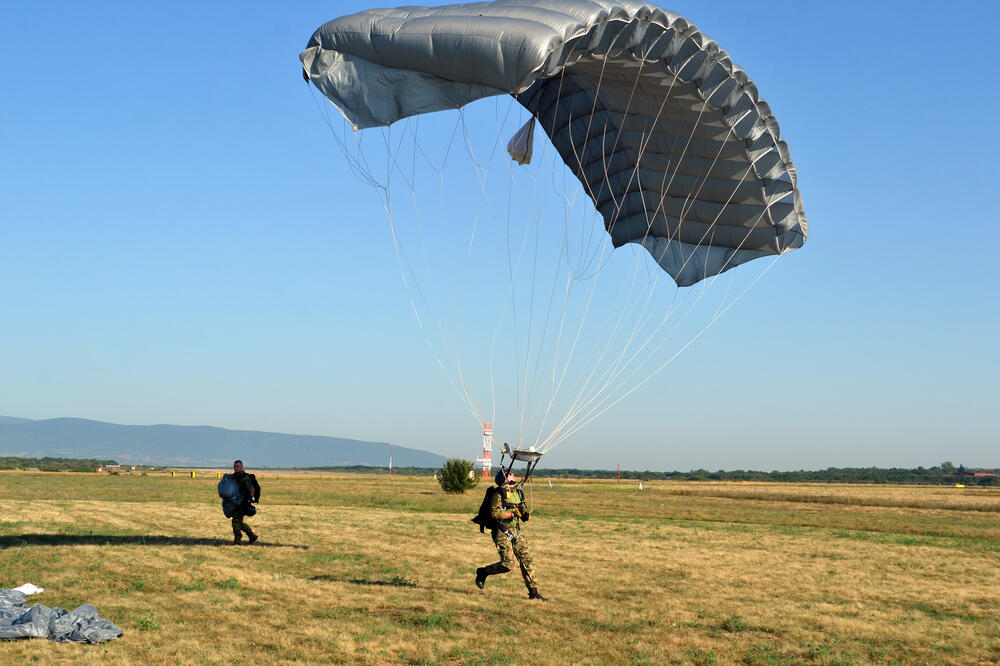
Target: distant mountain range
195 445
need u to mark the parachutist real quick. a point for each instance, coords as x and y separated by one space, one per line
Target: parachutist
242 503
505 510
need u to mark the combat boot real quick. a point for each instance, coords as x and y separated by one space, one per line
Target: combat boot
253 537
481 577
533 594
237 540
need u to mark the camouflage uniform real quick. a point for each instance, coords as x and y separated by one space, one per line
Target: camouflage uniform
246 482
509 541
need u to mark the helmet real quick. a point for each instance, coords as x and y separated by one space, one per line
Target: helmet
501 478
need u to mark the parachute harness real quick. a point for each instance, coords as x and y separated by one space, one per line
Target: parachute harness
530 458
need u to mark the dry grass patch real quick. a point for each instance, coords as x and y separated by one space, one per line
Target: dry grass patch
366 570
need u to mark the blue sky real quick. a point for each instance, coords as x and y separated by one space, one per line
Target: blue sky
182 242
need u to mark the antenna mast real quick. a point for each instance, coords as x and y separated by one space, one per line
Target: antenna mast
487 460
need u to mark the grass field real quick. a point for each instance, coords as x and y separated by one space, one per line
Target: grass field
367 569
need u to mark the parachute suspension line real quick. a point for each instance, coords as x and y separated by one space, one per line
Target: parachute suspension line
641 321
496 331
532 366
557 378
540 363
463 280
618 206
359 167
432 306
594 197
484 197
363 171
583 319
536 358
565 368
637 311
553 363
513 269
542 348
450 279
576 338
405 268
642 149
525 400
709 228
514 266
531 311
413 284
630 286
568 203
618 135
511 275
599 410
556 385
578 426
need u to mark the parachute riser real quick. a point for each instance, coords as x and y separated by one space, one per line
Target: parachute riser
530 458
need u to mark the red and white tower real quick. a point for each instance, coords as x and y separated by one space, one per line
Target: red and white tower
487 460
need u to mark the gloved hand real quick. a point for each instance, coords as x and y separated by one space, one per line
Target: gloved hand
526 516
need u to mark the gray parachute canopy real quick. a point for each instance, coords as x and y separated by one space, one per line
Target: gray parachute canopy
668 137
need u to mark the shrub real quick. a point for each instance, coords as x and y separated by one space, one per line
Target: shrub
457 476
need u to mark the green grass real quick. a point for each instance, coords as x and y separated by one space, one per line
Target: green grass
228 584
146 621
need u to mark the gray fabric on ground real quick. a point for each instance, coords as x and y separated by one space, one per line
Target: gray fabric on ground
82 625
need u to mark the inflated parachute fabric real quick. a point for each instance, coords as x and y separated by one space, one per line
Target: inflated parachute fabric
82 625
668 137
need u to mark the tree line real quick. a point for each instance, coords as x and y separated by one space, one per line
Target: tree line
944 474
48 464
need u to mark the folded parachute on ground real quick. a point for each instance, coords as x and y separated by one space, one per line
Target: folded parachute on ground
82 625
670 140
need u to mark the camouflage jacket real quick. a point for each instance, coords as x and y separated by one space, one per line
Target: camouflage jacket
503 501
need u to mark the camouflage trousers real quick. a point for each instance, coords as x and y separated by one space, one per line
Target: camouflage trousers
508 552
239 526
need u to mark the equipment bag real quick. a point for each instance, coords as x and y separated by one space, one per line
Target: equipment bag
485 517
229 491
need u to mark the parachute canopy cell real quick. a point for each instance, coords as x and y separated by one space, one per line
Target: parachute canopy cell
668 137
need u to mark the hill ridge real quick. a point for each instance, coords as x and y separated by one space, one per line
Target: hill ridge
167 444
